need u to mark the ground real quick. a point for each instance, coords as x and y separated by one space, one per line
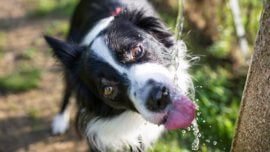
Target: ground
25 117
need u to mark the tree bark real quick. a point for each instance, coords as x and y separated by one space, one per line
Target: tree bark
253 126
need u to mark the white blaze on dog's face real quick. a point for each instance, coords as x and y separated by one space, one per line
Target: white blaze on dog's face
123 67
141 78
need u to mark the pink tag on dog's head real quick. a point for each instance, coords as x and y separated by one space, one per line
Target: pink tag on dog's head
116 11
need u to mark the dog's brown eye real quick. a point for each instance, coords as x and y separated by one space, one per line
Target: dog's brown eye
137 52
108 90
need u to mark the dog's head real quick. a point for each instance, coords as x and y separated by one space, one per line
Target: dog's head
122 63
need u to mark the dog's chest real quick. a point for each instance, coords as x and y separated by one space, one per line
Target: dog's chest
128 130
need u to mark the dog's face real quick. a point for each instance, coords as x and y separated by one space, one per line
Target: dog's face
122 63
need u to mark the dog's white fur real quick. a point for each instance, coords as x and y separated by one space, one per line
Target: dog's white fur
123 130
101 50
60 123
139 75
100 26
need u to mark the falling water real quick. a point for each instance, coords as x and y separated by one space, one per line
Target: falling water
197 135
179 58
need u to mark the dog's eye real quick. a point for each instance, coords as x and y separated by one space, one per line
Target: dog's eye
137 52
108 90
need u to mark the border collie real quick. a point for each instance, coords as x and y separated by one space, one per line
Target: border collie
117 62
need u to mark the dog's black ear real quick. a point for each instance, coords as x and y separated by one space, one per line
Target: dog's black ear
156 28
67 53
151 25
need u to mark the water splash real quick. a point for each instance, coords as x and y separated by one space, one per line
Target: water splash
197 135
179 64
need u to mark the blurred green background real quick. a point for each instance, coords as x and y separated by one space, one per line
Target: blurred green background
209 33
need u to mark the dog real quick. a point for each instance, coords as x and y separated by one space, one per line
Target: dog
116 61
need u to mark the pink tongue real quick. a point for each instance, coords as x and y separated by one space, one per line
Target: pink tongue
181 114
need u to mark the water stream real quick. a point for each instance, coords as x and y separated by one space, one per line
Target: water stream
179 58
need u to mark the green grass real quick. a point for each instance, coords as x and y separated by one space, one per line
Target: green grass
28 54
22 80
2 43
59 28
33 113
49 7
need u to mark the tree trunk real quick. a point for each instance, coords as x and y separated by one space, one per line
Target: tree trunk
253 127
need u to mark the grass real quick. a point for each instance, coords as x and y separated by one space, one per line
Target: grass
33 113
22 80
2 42
28 54
49 7
173 141
57 28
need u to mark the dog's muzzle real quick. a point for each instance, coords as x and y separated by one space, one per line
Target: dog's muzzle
157 98
179 110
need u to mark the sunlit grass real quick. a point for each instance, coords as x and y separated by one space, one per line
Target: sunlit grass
22 80
33 113
56 7
28 54
2 43
57 28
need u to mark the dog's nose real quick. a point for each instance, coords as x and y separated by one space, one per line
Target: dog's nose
159 98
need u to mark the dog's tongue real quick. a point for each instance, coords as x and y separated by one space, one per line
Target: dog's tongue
181 114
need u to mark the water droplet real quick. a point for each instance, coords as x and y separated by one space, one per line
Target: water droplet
183 131
203 121
188 128
195 144
198 113
207 140
196 132
214 143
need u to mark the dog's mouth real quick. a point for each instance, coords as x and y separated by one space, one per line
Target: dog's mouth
179 114
166 106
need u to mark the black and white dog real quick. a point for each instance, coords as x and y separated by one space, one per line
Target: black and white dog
116 61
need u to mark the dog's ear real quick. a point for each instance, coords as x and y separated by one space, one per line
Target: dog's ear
67 53
151 25
156 28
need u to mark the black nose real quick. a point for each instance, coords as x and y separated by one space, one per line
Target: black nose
159 98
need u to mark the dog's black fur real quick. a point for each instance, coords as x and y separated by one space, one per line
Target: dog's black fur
136 21
88 13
